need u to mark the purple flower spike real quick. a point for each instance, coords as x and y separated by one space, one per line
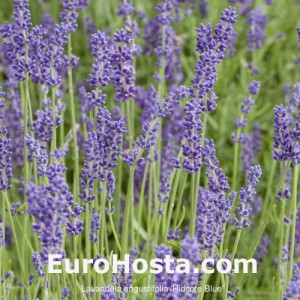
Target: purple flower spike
287 133
65 293
247 196
211 49
253 87
203 8
44 126
95 227
38 265
257 21
69 14
101 46
102 149
5 149
126 10
21 15
293 288
49 205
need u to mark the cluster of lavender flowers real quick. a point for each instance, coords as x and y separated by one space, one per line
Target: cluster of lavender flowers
5 149
49 205
247 196
251 143
211 49
189 250
292 290
286 130
257 21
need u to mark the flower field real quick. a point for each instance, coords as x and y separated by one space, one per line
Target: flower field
149 149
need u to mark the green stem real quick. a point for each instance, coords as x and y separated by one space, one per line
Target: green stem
53 141
113 228
2 246
180 195
236 159
129 122
293 225
118 195
45 288
127 221
170 210
193 211
87 242
149 216
74 275
236 242
142 198
269 186
15 235
103 221
73 118
155 221
279 272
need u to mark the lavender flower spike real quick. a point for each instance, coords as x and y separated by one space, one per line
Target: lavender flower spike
247 196
257 21
5 149
293 288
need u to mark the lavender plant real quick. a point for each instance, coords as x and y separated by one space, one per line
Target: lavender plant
116 121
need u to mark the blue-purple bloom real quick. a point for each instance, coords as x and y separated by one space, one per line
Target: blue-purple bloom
69 14
102 149
101 47
162 41
16 39
5 149
38 264
95 227
247 196
38 152
293 287
211 49
212 213
287 135
49 205
189 250
251 146
44 126
257 21
123 75
65 293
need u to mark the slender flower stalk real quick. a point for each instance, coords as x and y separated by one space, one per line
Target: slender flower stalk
293 225
241 123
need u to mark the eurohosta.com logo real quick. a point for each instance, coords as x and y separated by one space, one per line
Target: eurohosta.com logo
167 265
